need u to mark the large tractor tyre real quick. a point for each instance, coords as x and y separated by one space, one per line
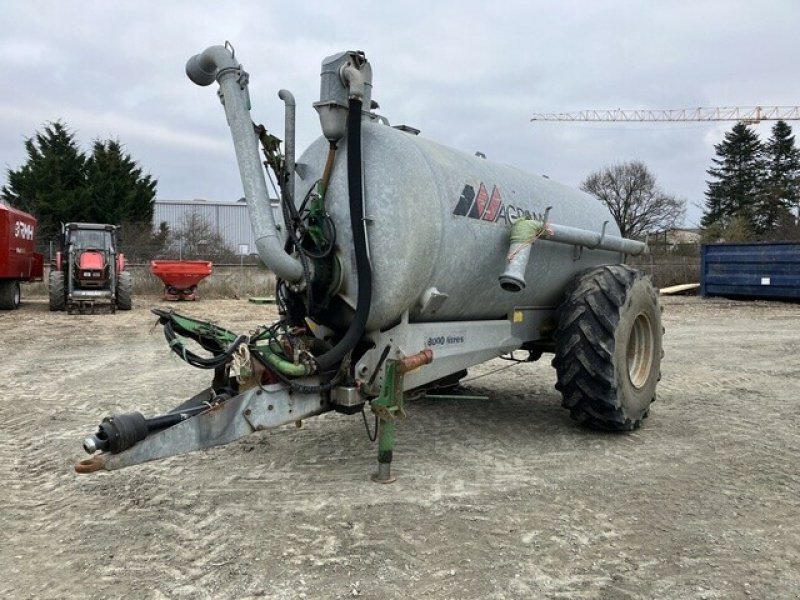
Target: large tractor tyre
608 348
10 295
56 290
124 291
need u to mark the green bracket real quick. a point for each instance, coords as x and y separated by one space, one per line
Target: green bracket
317 215
388 407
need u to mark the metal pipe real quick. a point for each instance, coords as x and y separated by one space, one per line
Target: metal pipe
525 231
513 278
592 240
289 145
218 63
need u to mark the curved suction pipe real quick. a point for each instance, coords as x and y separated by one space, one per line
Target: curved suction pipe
218 63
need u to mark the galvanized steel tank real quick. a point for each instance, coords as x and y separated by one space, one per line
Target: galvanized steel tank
438 225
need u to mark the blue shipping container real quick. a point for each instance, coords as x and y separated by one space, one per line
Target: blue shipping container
751 270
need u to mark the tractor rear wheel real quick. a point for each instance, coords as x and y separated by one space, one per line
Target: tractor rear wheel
608 348
55 287
124 291
10 295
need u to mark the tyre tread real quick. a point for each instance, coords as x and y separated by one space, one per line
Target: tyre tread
55 289
584 340
124 291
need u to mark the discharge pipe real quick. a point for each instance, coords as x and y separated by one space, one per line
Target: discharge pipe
525 232
217 63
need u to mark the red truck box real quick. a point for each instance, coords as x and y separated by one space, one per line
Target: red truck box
18 259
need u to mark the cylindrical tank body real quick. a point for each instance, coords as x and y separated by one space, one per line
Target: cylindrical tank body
440 218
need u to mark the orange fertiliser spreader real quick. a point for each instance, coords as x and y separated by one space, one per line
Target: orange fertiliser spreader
181 277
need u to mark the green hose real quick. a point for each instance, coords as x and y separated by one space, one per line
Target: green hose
224 338
281 364
525 231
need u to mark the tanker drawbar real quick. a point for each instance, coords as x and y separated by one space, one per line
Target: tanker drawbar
399 264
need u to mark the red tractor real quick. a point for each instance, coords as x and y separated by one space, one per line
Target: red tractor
18 260
89 270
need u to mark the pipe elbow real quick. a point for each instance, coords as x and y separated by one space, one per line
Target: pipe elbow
204 68
271 252
354 79
287 97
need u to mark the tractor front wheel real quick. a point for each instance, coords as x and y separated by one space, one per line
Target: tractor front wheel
124 291
608 348
55 288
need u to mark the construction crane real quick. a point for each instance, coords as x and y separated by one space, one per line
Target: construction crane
745 114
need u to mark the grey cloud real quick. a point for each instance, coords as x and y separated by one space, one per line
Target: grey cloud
469 74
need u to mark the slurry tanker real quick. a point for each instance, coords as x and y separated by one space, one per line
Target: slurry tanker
399 264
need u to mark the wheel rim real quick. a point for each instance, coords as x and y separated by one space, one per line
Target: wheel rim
640 351
17 296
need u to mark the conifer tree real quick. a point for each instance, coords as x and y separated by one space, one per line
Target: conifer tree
117 190
781 194
51 184
58 183
738 180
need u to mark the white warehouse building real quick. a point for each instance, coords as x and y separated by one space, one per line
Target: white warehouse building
229 219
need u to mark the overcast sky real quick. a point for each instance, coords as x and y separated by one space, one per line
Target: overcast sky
468 74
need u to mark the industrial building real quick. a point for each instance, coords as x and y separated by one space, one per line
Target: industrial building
229 219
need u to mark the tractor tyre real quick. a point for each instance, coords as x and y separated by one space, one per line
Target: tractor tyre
124 291
10 295
608 348
56 290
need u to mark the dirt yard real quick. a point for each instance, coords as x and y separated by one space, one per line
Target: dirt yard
497 498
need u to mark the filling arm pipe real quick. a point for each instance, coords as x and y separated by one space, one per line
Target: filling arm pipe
218 63
290 110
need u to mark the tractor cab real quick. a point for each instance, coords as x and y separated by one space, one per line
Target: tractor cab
90 239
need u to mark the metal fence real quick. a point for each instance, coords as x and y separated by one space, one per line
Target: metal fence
670 264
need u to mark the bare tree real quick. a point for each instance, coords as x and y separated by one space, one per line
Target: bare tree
638 204
197 239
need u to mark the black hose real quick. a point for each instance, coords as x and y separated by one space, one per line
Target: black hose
221 355
363 269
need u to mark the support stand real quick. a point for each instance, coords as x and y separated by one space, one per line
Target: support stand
388 407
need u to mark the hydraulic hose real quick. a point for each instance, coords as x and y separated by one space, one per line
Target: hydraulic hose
221 355
333 357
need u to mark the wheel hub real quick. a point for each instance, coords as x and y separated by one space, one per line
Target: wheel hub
640 351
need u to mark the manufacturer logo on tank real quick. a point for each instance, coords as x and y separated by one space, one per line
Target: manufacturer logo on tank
484 206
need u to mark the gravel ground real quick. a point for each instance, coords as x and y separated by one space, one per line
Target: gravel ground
496 498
